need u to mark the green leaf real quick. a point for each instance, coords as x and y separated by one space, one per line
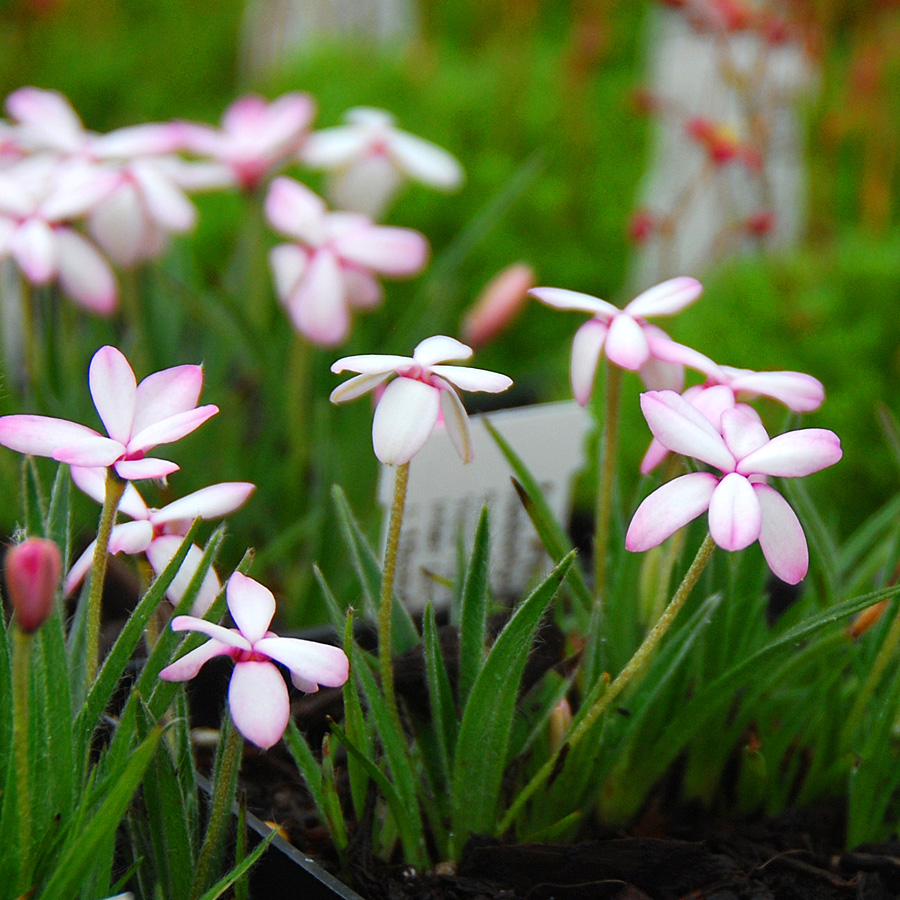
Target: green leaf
440 695
33 498
487 719
473 613
356 728
240 870
93 825
309 767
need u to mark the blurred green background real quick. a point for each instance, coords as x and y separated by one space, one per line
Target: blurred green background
537 101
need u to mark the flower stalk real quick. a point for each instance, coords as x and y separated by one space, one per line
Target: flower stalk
21 672
386 601
115 487
633 668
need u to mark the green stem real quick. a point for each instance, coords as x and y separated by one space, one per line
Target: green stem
226 772
385 607
115 487
633 668
22 644
606 470
298 409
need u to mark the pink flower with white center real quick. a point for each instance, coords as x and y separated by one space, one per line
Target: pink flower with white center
137 417
39 197
257 696
742 507
369 158
409 407
726 387
158 532
629 340
331 267
256 136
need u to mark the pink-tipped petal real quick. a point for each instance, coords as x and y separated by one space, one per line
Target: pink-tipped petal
251 605
794 454
207 503
48 119
44 435
438 349
89 450
404 418
559 298
259 702
166 393
294 210
663 348
666 298
85 275
357 386
587 346
131 537
228 636
165 201
308 660
735 517
626 345
669 508
662 376
655 454
395 252
113 388
364 291
34 247
333 147
318 308
743 433
190 664
289 264
425 162
457 423
796 390
160 553
372 363
681 427
79 569
144 469
781 537
119 226
171 429
472 379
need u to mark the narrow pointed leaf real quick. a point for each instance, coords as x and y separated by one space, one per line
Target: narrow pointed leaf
473 615
440 696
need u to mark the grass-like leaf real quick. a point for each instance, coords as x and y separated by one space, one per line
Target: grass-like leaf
473 611
440 696
356 729
487 719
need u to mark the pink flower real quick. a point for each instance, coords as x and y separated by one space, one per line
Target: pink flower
498 304
331 267
408 409
726 387
742 507
256 136
258 696
629 340
370 157
137 417
39 197
158 532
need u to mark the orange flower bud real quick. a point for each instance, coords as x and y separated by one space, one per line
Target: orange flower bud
33 570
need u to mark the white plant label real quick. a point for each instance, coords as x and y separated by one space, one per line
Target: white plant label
445 498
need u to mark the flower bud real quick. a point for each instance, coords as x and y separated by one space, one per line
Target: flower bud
497 304
33 570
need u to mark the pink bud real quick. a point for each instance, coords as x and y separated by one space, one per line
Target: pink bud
498 304
33 570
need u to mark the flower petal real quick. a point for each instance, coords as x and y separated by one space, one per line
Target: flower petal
424 161
794 453
666 298
309 660
131 537
165 202
34 247
166 393
84 273
626 344
735 517
113 389
438 349
318 308
89 451
333 147
357 386
457 422
288 263
43 435
367 185
251 604
160 553
404 419
743 433
259 702
190 664
294 210
146 469
669 508
684 429
587 346
395 252
229 636
472 379
171 429
207 503
559 298
781 537
372 363
796 390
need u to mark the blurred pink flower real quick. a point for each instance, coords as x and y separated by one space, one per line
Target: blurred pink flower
331 267
369 158
742 507
409 407
629 340
257 696
256 136
498 304
137 417
158 532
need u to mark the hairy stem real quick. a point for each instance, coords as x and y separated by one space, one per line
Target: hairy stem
606 471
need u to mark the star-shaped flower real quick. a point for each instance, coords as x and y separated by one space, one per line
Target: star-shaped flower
410 405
